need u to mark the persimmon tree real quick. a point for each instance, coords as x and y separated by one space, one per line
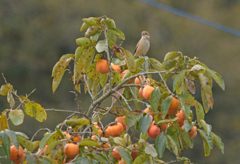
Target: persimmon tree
109 72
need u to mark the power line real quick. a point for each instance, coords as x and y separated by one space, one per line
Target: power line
192 17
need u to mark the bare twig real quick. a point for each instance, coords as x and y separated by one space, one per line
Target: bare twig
74 89
67 111
147 104
124 100
164 82
42 129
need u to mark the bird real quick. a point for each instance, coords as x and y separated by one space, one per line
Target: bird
143 45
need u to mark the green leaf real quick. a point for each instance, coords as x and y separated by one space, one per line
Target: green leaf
117 77
109 23
56 82
51 146
73 121
207 100
95 37
3 121
88 22
118 61
183 159
178 80
187 126
87 64
184 139
35 144
93 73
21 134
186 109
208 139
188 99
92 30
95 87
141 159
144 123
44 140
132 117
198 69
13 137
5 142
146 64
78 53
35 110
31 158
125 155
119 141
218 142
173 146
59 70
103 79
47 160
217 78
85 42
170 55
139 61
190 83
165 106
206 148
127 139
207 128
10 99
60 66
160 144
149 149
205 83
84 26
136 97
155 99
166 121
100 157
169 63
89 142
80 160
199 112
156 64
101 46
4 90
144 137
111 38
119 33
16 116
26 143
130 61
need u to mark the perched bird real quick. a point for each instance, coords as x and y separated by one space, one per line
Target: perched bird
142 45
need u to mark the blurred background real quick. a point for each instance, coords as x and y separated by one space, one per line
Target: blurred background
35 34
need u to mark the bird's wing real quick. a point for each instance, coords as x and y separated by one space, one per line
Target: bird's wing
136 47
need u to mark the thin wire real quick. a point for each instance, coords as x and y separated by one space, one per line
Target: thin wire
192 17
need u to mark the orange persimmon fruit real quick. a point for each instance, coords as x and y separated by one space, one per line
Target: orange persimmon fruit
71 150
102 66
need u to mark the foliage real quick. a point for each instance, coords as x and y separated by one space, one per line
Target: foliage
100 42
